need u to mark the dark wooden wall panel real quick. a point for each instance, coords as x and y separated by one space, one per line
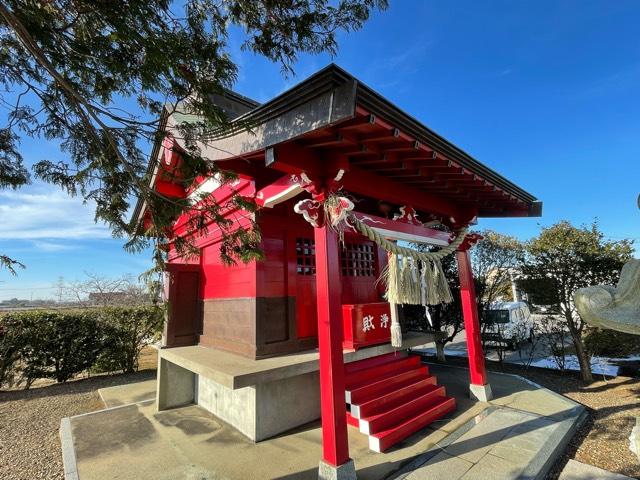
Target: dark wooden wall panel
230 324
273 319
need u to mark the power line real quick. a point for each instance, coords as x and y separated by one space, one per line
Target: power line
26 288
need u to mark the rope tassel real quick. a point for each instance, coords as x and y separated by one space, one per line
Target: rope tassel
391 275
396 330
408 284
442 286
432 293
411 277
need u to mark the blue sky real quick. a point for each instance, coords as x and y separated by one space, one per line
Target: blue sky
547 93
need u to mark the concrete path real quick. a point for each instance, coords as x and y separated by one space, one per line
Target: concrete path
580 471
129 393
134 441
501 443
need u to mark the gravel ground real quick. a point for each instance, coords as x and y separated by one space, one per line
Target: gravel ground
30 420
603 440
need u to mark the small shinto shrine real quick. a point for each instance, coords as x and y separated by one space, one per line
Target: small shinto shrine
343 179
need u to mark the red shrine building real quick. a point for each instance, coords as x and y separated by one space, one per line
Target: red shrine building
305 333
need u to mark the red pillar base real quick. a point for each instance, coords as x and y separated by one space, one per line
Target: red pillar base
479 388
346 471
481 393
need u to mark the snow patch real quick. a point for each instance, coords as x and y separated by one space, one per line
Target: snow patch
599 365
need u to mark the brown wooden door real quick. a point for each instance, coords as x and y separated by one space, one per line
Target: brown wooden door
184 321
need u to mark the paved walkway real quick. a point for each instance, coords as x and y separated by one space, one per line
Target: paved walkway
521 431
129 393
500 443
580 471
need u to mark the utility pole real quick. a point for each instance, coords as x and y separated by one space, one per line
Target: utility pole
60 287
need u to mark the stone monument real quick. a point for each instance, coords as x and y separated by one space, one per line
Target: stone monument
616 308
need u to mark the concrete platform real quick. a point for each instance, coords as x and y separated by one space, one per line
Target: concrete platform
500 443
235 372
135 441
247 393
129 393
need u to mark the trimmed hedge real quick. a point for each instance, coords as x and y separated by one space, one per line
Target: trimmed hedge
127 330
609 343
62 344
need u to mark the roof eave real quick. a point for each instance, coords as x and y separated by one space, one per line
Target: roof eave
378 105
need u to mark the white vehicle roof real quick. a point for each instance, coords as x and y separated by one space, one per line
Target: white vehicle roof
507 305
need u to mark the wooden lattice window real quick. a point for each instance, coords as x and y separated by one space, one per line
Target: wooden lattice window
358 260
305 256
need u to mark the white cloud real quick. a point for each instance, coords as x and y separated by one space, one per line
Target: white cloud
52 246
41 211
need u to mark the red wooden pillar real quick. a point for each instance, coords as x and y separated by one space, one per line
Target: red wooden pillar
335 446
480 388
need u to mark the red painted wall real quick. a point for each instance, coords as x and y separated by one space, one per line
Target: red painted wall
221 281
217 279
278 275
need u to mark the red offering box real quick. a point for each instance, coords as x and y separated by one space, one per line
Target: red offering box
366 324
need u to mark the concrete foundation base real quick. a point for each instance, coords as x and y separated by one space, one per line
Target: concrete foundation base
634 439
176 385
260 398
346 471
266 409
481 393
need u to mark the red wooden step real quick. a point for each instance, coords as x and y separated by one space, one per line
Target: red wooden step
393 399
399 413
385 385
363 377
381 441
353 421
373 361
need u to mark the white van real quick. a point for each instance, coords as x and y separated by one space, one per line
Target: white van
508 323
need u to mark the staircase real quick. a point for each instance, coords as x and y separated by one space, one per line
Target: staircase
392 396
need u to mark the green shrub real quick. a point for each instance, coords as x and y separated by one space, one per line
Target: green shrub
62 344
128 330
609 343
55 344
10 348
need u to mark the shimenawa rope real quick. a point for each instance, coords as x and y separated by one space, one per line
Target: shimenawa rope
420 280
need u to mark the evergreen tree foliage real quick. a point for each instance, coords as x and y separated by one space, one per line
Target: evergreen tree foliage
95 76
564 258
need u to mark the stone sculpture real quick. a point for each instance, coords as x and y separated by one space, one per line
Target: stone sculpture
615 308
